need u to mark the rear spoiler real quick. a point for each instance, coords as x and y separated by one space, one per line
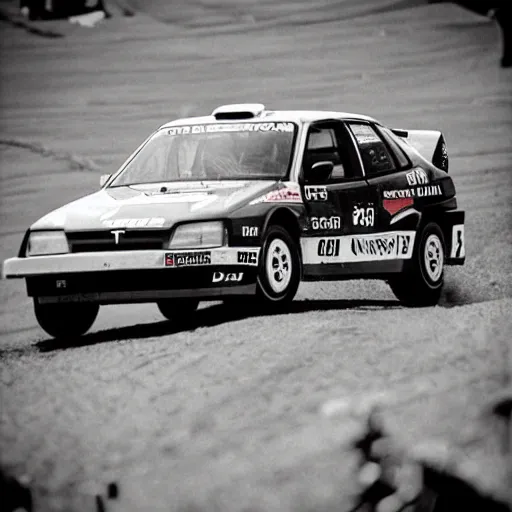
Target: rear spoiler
401 133
431 144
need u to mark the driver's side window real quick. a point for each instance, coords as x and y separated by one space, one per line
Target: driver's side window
322 145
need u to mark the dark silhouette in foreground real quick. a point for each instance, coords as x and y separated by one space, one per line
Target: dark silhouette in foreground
59 9
14 495
498 10
433 475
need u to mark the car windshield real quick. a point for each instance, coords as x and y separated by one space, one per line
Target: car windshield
212 152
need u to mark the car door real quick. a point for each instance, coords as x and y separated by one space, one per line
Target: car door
337 206
388 172
387 168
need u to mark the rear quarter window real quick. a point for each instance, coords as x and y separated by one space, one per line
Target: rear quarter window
391 139
374 152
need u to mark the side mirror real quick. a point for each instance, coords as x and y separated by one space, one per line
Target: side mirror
319 172
104 178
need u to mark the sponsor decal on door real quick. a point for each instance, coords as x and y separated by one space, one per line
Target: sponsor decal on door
325 223
381 247
363 215
328 247
315 193
393 245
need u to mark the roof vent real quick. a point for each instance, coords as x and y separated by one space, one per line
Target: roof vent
238 111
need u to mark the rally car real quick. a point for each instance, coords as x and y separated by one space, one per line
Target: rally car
249 202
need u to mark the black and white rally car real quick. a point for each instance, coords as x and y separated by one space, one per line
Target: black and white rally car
249 202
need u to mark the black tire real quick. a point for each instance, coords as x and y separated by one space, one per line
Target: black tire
279 288
66 320
177 309
421 283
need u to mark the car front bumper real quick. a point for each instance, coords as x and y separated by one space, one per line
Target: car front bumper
138 276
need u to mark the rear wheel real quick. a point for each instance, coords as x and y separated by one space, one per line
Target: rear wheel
66 320
177 309
422 281
279 269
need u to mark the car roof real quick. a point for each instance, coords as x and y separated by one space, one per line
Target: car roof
297 116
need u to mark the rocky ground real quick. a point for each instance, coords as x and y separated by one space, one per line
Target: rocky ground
222 412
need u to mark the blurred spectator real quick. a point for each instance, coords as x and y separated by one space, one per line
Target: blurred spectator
499 10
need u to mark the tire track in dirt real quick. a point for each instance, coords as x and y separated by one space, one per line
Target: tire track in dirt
76 161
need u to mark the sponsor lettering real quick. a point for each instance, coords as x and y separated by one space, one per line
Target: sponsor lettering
288 194
250 231
329 247
231 127
325 223
315 193
416 177
389 245
61 283
187 259
458 245
247 258
221 277
363 216
147 222
397 194
364 134
423 191
395 205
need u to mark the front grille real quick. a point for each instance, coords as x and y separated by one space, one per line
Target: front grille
130 240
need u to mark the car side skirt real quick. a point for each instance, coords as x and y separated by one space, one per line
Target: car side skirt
348 271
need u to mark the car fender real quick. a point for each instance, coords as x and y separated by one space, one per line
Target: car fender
290 213
451 223
291 218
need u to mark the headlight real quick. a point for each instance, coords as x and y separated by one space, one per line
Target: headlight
47 242
198 235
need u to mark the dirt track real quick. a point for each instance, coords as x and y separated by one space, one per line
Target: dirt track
222 413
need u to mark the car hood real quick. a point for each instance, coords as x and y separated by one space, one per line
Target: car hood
154 205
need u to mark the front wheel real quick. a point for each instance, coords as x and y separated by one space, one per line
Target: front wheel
66 320
279 269
177 309
422 281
